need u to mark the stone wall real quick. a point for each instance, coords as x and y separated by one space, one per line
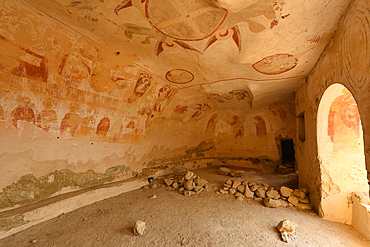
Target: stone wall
346 61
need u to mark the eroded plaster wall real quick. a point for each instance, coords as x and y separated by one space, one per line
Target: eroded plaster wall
346 61
76 112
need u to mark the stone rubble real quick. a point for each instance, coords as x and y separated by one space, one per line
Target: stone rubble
139 228
232 173
293 200
270 196
285 191
271 203
189 184
287 229
153 197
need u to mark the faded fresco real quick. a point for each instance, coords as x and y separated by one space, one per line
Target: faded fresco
206 20
344 121
58 84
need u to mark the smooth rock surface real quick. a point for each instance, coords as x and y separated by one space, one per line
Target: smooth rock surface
285 191
139 228
271 203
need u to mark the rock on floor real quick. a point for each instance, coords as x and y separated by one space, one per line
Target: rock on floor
287 228
139 228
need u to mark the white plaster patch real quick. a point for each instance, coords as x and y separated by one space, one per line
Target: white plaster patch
51 178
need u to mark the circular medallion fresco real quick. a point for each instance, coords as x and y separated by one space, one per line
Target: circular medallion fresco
185 20
276 64
179 76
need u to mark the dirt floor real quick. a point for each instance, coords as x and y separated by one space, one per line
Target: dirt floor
172 219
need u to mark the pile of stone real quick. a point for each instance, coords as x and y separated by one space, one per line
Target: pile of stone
189 184
271 197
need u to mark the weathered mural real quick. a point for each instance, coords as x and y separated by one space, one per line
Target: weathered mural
205 20
344 121
276 64
179 76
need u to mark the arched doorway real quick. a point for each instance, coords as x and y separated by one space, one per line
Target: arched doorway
341 153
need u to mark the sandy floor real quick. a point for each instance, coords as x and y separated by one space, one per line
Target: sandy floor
207 219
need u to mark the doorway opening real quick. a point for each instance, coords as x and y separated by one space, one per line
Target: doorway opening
287 151
287 156
340 152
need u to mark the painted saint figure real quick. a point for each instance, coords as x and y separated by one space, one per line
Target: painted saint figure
103 127
143 83
71 120
48 115
24 112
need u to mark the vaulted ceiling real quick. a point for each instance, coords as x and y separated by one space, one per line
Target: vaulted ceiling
259 50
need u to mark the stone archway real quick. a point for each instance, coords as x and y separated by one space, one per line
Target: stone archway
341 153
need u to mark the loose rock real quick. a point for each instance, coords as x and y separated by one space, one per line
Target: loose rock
237 173
271 203
175 185
230 182
287 228
224 171
254 187
168 182
238 194
248 193
304 200
261 193
227 186
273 194
285 191
153 197
266 185
190 175
153 186
232 191
198 188
200 182
293 200
236 184
239 198
250 184
241 188
283 203
224 191
299 194
258 199
189 185
139 228
304 190
189 193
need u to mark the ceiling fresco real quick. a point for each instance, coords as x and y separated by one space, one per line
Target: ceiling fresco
254 50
